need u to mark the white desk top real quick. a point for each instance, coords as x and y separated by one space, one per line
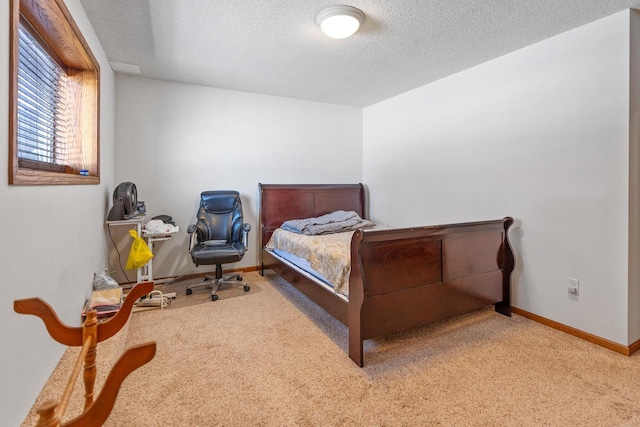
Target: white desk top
132 221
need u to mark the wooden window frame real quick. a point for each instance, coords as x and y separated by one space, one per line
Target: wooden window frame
63 39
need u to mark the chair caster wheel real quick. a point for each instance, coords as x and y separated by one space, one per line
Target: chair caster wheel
239 279
246 288
189 291
214 297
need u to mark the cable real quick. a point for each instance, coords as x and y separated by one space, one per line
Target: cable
154 298
119 260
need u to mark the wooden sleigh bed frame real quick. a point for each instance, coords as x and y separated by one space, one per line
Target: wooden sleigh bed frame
400 278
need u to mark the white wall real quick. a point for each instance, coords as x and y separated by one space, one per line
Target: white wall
541 134
634 179
52 241
175 141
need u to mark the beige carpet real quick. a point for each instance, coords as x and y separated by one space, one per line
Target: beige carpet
270 357
201 294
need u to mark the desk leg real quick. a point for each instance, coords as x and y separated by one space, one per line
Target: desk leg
150 263
149 266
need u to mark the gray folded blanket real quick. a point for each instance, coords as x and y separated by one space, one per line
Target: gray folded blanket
334 222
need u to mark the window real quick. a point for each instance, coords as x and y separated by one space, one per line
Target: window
54 98
41 105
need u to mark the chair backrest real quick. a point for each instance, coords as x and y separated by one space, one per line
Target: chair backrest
220 216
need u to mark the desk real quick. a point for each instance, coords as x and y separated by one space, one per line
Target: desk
144 273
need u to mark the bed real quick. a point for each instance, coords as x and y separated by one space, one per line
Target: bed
399 278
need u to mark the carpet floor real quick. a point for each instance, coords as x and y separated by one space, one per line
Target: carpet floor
270 357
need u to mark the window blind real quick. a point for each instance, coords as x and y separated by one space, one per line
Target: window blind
41 124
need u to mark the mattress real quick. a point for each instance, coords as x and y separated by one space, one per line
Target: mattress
327 257
303 267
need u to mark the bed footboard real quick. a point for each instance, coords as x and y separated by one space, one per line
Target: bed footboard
402 278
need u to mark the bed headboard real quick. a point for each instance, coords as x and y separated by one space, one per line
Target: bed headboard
282 202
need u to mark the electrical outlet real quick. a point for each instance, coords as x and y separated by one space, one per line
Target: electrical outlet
574 286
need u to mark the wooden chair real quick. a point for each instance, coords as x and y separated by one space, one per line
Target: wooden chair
88 336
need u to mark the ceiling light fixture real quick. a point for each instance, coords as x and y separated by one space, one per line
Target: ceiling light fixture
340 22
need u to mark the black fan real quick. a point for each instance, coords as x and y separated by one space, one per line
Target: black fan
125 202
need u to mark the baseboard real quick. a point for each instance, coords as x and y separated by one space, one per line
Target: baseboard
619 348
199 274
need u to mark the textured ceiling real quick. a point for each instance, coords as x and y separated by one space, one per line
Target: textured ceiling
274 47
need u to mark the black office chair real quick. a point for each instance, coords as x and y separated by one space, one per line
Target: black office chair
219 237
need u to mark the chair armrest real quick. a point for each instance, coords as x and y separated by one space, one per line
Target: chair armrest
246 227
192 236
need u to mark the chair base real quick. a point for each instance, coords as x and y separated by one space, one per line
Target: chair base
215 282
